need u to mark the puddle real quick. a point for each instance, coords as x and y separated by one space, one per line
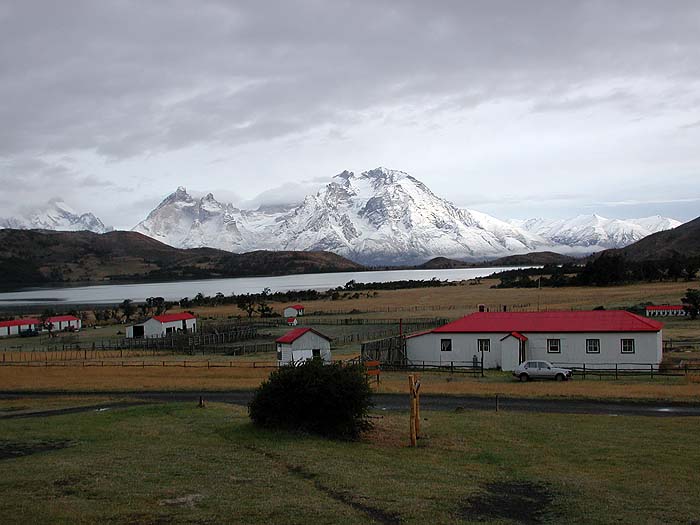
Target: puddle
519 501
12 449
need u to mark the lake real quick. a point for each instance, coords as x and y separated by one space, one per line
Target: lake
173 291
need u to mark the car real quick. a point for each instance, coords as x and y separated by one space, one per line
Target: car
541 370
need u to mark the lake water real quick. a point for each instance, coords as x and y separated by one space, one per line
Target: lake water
173 291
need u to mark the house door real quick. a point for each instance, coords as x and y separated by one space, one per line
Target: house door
521 352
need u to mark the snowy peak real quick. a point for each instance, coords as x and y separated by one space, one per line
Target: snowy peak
596 232
380 216
56 215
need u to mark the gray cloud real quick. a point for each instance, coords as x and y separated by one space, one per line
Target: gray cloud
119 80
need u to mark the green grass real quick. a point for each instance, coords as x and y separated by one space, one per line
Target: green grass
177 463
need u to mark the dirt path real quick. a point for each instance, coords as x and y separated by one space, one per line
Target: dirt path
400 402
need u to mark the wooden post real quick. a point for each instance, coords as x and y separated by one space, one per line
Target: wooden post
496 402
417 402
412 427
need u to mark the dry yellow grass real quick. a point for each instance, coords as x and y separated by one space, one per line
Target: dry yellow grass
681 388
197 376
116 378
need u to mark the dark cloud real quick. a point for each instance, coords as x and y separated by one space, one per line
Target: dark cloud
124 78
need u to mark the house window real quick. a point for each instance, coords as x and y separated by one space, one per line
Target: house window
592 346
316 353
484 345
279 355
627 346
554 346
446 345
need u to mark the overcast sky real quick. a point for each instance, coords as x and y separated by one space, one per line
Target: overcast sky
518 109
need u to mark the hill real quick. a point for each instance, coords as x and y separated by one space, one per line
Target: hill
42 256
525 259
684 241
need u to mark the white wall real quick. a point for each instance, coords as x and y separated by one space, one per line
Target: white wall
154 328
290 312
6 331
464 347
303 347
426 348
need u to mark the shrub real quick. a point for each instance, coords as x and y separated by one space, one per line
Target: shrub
330 400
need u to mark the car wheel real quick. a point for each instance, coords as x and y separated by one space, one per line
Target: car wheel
524 377
560 377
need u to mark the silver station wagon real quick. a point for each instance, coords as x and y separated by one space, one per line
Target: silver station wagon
540 370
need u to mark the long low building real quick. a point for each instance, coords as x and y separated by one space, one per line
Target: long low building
162 325
16 326
59 323
503 340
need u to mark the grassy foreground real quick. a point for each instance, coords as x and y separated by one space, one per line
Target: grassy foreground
178 463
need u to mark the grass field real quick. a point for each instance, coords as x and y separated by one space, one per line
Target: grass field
181 464
249 371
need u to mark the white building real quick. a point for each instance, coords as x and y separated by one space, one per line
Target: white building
667 310
597 338
293 311
14 327
162 325
302 344
63 322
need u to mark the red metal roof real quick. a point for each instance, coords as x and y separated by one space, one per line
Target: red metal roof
169 318
61 319
295 334
567 321
19 322
298 306
664 307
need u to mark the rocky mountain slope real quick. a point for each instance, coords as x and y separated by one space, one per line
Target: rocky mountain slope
380 216
56 215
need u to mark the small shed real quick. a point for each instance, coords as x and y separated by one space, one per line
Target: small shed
303 344
162 325
666 310
16 326
292 321
294 310
61 323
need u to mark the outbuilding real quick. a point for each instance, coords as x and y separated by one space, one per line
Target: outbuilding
293 311
16 326
60 323
599 338
162 325
666 310
303 344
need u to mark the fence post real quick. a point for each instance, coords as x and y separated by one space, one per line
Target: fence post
651 369
615 370
584 370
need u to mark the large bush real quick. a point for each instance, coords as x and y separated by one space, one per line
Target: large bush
330 400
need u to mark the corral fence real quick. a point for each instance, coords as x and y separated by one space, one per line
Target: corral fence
681 345
180 342
476 368
622 370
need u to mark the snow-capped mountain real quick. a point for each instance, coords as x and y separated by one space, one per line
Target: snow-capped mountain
381 216
56 215
378 216
593 232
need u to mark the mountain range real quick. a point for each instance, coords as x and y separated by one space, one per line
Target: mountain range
56 215
377 217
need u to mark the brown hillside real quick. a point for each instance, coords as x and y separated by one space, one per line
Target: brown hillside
29 256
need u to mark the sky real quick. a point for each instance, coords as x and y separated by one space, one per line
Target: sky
516 109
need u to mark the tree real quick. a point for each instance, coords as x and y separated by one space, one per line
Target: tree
247 303
329 400
127 308
263 308
691 302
